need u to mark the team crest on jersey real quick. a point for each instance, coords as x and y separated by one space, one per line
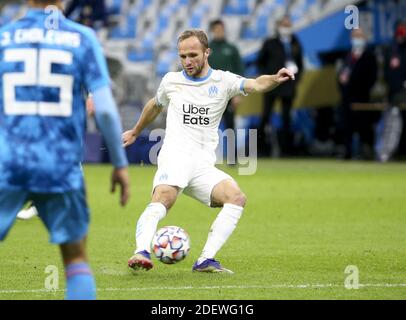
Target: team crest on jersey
163 177
213 91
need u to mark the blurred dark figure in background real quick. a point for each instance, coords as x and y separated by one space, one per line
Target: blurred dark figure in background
93 13
395 75
356 79
225 56
284 50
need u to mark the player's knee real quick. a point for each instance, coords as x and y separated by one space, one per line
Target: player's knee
165 197
166 201
238 199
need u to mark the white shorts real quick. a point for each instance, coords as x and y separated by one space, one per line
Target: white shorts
195 175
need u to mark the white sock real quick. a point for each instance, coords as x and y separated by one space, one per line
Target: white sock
221 229
147 225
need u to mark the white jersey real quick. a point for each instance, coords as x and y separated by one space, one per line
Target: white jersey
195 107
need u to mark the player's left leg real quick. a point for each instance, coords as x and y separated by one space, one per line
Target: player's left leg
227 195
217 189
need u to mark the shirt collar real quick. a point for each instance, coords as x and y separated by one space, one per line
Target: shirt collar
198 79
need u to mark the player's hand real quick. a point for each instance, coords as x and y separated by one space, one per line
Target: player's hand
128 137
120 177
284 75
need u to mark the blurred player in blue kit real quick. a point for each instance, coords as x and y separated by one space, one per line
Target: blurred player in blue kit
47 62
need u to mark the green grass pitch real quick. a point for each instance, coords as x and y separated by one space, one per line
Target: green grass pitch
304 223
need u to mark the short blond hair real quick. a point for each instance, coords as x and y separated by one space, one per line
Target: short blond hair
199 34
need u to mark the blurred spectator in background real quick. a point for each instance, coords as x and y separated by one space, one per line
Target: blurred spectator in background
395 75
356 78
284 50
395 66
225 56
93 13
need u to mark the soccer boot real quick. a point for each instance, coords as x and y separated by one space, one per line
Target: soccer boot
27 214
141 260
210 265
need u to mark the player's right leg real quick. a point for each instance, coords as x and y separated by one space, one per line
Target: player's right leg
163 198
79 278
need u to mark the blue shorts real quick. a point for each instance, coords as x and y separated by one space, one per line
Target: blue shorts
65 215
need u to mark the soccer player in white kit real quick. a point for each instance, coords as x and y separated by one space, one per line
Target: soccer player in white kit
195 99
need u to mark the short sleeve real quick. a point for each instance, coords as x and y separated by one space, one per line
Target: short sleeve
95 71
234 83
162 99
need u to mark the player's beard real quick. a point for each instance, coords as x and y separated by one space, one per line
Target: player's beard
197 71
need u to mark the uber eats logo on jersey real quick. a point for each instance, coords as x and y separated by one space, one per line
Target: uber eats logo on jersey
195 115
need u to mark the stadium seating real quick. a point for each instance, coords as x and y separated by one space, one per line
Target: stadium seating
143 38
146 29
114 6
126 29
152 26
239 7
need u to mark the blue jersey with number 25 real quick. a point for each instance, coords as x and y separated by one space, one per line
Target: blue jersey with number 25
46 63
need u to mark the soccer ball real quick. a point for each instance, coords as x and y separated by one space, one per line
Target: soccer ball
171 244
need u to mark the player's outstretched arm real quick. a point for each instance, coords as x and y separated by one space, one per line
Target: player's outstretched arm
149 113
267 83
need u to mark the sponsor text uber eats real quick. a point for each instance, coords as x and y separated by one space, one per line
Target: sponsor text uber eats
195 115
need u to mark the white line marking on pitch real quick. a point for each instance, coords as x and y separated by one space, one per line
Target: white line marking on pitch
275 286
